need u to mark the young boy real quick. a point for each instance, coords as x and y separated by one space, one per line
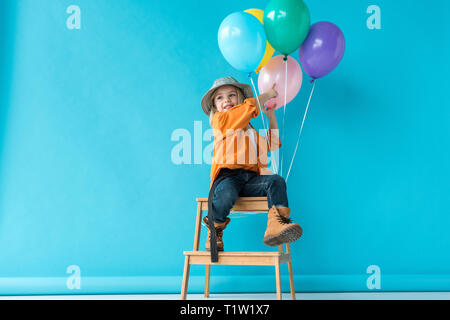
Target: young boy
240 169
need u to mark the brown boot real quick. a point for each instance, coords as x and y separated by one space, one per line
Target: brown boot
219 233
280 228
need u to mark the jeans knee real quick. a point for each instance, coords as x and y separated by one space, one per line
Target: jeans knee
278 181
223 201
225 196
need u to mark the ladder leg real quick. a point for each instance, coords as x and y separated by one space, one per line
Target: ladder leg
278 277
207 278
184 284
291 280
198 221
291 275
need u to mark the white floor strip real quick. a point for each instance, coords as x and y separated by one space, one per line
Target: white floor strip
250 296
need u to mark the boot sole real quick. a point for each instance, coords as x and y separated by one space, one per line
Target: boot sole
286 236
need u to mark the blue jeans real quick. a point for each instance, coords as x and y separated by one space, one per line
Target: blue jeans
248 184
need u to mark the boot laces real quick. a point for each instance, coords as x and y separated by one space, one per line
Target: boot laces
219 230
283 220
219 233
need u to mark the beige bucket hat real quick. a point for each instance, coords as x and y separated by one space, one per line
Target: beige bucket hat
207 102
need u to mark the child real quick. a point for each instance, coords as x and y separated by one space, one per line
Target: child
239 170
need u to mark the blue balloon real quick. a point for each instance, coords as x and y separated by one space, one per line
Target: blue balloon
242 41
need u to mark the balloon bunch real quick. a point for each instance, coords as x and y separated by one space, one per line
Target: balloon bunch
249 39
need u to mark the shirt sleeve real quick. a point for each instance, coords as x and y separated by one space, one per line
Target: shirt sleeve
273 140
237 117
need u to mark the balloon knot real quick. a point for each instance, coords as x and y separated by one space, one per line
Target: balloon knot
285 57
312 80
249 74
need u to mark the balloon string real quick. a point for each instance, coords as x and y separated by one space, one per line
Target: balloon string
259 105
264 123
301 129
284 111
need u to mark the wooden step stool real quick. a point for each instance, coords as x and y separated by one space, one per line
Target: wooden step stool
266 258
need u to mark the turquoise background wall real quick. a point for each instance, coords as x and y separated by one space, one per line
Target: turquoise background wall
94 200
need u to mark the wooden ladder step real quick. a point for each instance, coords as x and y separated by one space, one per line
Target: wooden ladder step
264 258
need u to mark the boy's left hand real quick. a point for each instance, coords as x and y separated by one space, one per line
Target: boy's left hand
270 113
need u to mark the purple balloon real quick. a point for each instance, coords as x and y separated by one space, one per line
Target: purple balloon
322 49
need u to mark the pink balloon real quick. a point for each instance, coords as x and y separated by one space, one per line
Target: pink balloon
274 72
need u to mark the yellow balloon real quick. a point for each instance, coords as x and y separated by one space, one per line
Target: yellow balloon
258 14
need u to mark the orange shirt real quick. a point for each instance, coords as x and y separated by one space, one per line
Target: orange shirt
237 145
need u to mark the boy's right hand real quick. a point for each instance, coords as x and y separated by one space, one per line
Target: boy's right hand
272 92
269 94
